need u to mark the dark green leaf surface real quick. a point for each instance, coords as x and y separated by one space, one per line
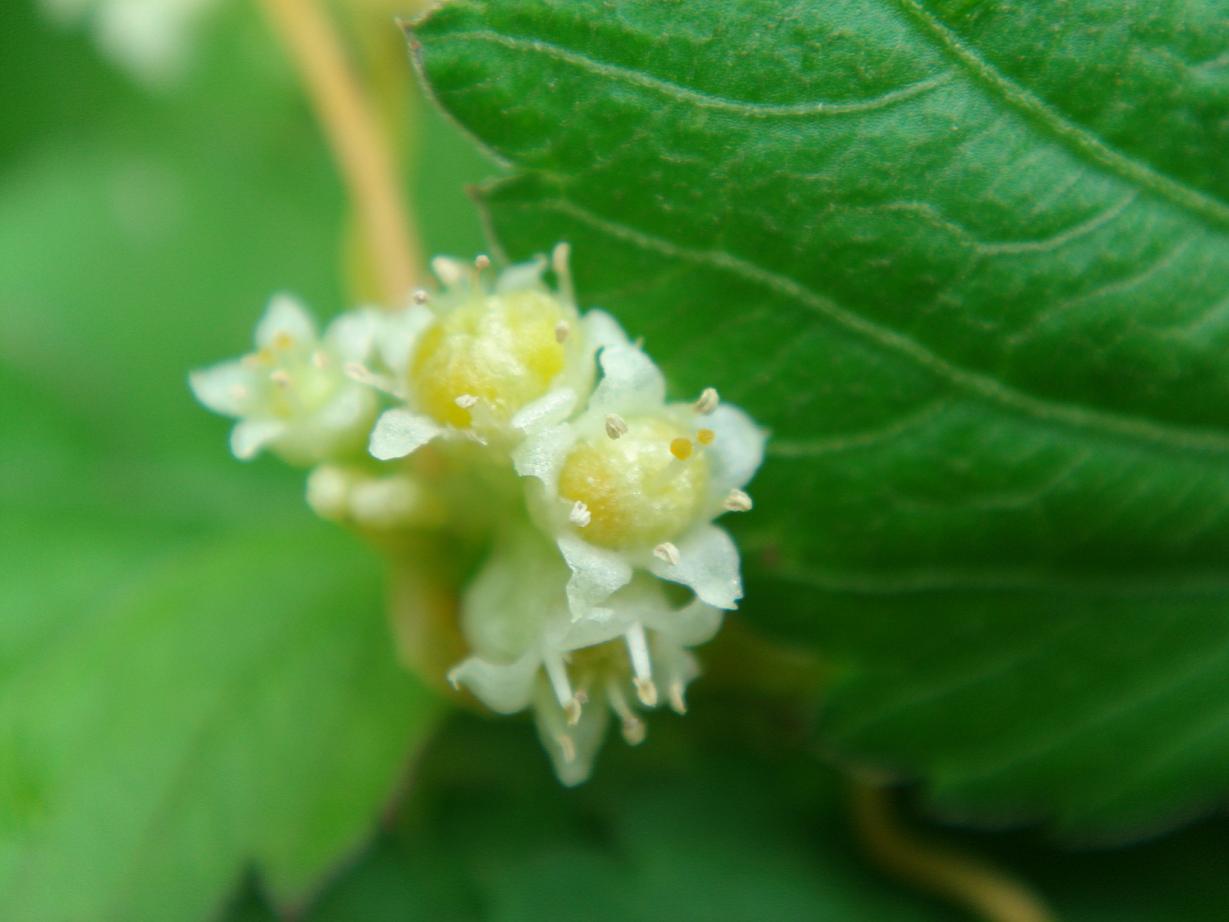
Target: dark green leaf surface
237 702
669 831
970 263
689 829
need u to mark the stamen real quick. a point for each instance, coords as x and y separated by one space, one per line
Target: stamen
454 678
642 665
668 553
559 262
633 726
562 330
357 371
681 448
568 746
580 514
706 437
280 377
677 704
482 262
320 359
562 687
708 401
420 296
737 501
616 425
465 401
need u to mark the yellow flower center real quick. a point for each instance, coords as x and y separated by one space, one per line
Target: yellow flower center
641 488
502 351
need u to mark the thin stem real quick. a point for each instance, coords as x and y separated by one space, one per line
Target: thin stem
362 152
985 891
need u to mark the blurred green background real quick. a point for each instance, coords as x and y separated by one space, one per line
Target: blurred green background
142 229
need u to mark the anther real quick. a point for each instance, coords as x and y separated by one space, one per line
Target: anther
633 731
633 726
280 377
681 448
465 401
677 704
646 691
562 330
737 501
454 679
668 553
572 710
580 515
420 296
708 401
482 262
706 437
567 746
320 359
616 425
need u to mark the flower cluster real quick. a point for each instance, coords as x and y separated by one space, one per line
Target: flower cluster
495 409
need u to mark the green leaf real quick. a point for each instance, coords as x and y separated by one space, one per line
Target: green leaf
690 829
669 831
970 263
225 703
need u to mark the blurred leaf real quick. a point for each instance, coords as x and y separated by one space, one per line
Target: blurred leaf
970 264
237 701
670 831
693 829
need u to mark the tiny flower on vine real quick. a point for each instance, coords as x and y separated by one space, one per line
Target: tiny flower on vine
484 361
292 394
634 483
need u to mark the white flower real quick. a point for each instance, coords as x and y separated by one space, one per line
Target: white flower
528 651
486 362
292 395
634 483
372 499
150 38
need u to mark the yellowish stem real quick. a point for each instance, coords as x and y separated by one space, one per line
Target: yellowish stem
360 148
985 891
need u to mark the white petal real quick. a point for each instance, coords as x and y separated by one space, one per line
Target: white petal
516 592
251 435
736 452
398 335
225 388
503 687
399 433
328 491
521 275
603 331
353 335
573 759
542 453
689 626
285 315
596 574
708 563
630 382
553 407
350 408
